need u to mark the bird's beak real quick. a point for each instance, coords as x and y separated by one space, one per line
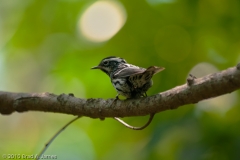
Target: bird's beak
96 67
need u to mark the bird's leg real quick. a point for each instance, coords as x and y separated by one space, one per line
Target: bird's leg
116 98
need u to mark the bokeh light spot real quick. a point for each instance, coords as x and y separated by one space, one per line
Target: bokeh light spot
173 43
203 69
219 105
102 20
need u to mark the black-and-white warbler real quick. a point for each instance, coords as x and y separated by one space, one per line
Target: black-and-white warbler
129 80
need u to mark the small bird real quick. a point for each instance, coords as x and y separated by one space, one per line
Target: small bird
129 80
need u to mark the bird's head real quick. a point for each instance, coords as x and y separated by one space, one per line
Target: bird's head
110 64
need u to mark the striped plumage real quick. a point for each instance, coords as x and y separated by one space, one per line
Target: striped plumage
129 80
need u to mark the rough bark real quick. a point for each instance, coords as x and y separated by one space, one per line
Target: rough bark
193 91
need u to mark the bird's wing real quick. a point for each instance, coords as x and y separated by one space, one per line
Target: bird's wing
129 71
134 70
139 80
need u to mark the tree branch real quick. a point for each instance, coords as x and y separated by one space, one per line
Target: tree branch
194 91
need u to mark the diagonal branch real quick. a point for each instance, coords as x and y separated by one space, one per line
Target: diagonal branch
195 90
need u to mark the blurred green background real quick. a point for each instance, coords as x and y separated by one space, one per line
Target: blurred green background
50 46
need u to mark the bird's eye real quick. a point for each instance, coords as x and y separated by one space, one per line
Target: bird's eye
105 63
